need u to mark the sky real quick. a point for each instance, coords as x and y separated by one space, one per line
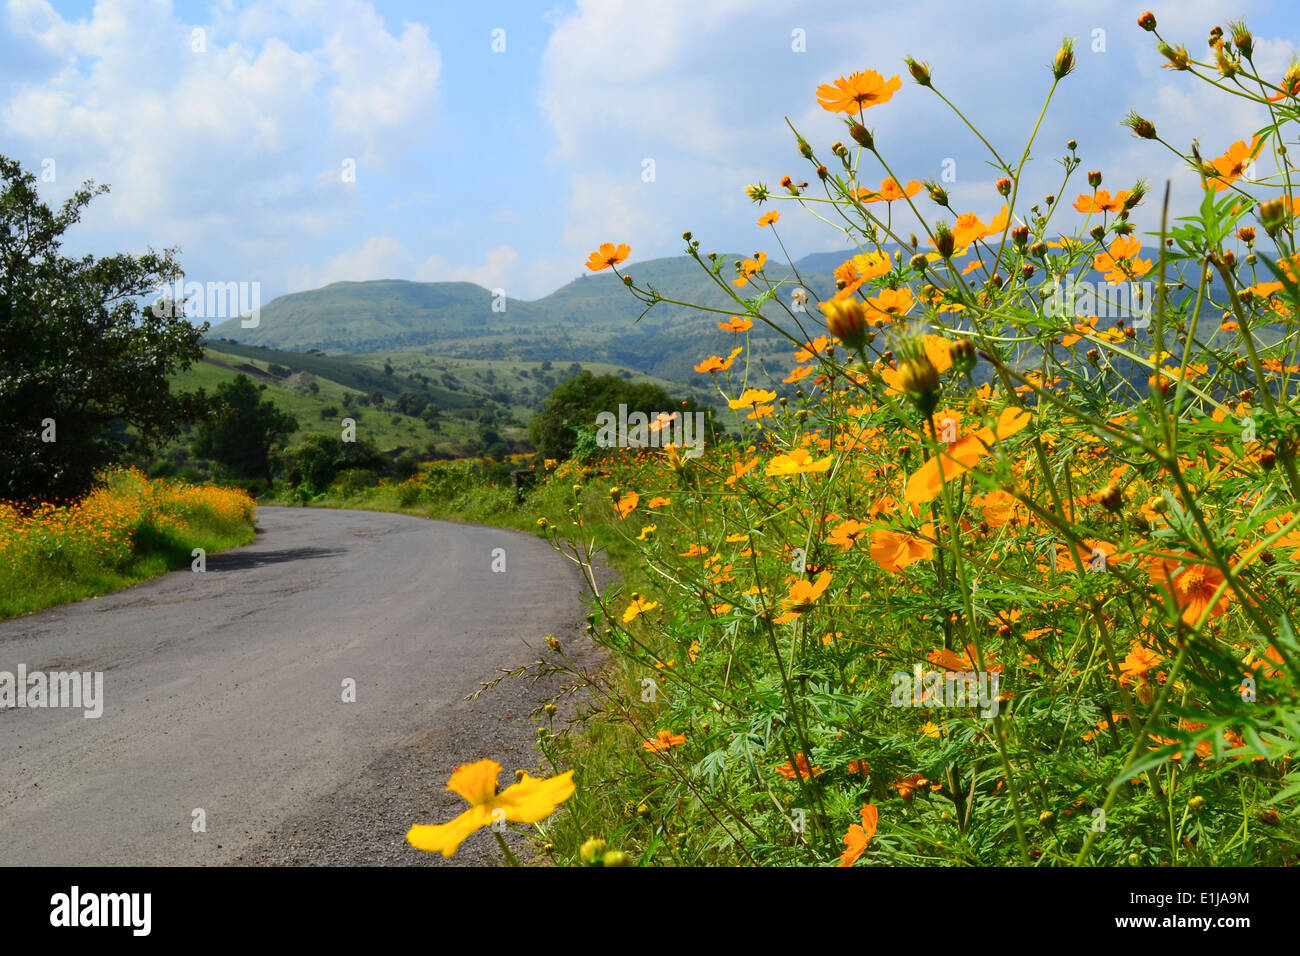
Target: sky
304 142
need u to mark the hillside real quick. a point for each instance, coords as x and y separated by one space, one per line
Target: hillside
438 407
591 319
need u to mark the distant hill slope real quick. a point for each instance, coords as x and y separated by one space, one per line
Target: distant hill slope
591 319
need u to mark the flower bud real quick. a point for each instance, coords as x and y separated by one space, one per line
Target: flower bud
592 852
920 379
1176 55
963 355
1142 128
1020 235
1246 234
1242 39
918 262
938 195
944 240
1272 214
1004 186
1111 498
846 321
1147 21
1094 178
1064 61
862 135
920 71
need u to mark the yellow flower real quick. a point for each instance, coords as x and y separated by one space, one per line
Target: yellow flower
638 607
797 462
752 397
528 801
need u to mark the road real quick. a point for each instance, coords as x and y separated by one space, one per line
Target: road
224 693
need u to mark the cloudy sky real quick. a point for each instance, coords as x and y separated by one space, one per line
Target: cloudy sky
303 142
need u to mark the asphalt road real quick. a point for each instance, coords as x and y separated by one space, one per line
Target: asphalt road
223 692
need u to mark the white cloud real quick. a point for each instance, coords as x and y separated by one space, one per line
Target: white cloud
225 146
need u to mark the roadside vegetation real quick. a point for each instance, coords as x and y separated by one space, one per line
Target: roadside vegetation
126 530
968 591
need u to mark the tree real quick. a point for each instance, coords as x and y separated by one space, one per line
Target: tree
242 429
315 463
575 404
85 365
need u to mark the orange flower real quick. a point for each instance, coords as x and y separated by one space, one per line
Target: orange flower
1100 201
856 840
608 255
908 785
847 533
1190 584
715 363
804 771
924 486
1232 165
1118 263
803 595
890 303
627 503
860 91
860 269
749 268
769 218
889 191
736 324
1139 662
894 551
663 741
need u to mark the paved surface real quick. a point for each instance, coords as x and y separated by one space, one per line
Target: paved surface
224 692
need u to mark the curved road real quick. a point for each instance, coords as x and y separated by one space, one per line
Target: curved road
223 692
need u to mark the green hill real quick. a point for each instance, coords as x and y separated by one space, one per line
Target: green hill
591 319
440 407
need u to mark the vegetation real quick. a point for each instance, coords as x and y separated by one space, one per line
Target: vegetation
127 529
576 403
84 369
242 429
1045 616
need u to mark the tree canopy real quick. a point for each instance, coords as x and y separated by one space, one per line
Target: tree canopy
85 364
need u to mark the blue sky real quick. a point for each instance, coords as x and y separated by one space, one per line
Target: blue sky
507 168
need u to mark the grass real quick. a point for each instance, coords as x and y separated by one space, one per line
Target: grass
126 531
